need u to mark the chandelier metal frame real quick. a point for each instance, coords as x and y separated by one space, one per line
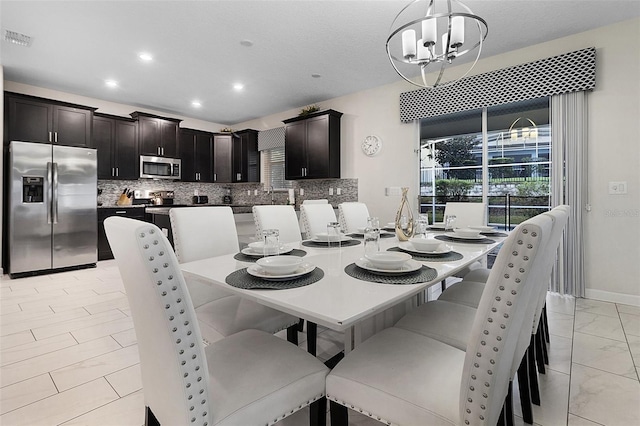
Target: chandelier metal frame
429 56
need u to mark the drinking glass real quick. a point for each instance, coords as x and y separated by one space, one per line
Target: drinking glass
372 236
423 225
271 239
333 234
449 222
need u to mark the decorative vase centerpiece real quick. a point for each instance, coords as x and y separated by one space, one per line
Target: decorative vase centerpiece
404 218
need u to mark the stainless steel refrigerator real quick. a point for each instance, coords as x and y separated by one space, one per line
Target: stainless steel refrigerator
52 207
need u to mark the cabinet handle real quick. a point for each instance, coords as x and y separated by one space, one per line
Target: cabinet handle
238 176
118 171
50 139
162 150
55 137
197 176
113 171
215 177
121 212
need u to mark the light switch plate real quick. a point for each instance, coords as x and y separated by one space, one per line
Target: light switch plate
617 188
338 191
330 191
301 191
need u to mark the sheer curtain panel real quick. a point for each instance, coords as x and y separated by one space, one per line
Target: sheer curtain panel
570 186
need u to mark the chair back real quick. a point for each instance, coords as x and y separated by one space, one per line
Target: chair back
282 218
561 216
315 217
467 214
201 232
319 201
352 215
499 321
175 377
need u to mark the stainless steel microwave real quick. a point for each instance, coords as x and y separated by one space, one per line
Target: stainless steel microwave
160 167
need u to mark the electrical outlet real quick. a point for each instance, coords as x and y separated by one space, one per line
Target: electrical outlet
248 192
617 188
255 192
301 191
330 191
338 191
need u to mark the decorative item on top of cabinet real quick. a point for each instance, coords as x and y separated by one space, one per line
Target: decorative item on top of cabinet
312 146
196 152
157 135
33 119
116 139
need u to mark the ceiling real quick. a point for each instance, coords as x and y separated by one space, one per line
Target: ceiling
197 51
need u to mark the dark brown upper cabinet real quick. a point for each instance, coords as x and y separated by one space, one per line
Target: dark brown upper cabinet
246 158
196 152
223 158
33 119
157 136
117 141
312 146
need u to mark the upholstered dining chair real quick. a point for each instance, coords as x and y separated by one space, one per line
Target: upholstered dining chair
352 215
315 217
201 232
282 218
250 377
467 214
402 377
451 322
317 201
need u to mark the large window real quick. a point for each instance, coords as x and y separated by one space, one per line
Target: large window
273 169
505 164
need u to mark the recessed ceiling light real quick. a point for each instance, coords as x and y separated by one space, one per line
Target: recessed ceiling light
238 86
246 43
196 104
316 75
111 83
145 57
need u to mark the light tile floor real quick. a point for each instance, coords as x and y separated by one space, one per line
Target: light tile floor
68 356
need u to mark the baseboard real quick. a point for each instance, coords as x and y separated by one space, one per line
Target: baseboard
608 296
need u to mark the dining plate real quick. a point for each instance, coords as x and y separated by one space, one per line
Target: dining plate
409 248
258 271
461 237
483 228
409 266
343 238
250 252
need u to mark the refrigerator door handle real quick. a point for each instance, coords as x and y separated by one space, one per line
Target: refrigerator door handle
54 198
49 180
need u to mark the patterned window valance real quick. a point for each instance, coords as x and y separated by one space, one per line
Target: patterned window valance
272 138
570 72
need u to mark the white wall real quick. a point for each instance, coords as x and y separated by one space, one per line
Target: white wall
612 242
1 159
107 107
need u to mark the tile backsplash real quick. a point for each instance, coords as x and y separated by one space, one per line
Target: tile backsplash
241 193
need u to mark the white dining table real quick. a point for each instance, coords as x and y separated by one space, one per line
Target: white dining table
337 301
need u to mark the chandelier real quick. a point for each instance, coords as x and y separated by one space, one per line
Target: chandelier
428 36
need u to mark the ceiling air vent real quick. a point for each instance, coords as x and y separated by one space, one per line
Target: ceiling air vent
16 38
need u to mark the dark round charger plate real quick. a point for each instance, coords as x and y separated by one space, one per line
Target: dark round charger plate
242 279
325 244
246 258
422 275
460 240
446 257
382 235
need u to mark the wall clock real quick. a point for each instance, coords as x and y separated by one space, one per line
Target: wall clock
371 145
